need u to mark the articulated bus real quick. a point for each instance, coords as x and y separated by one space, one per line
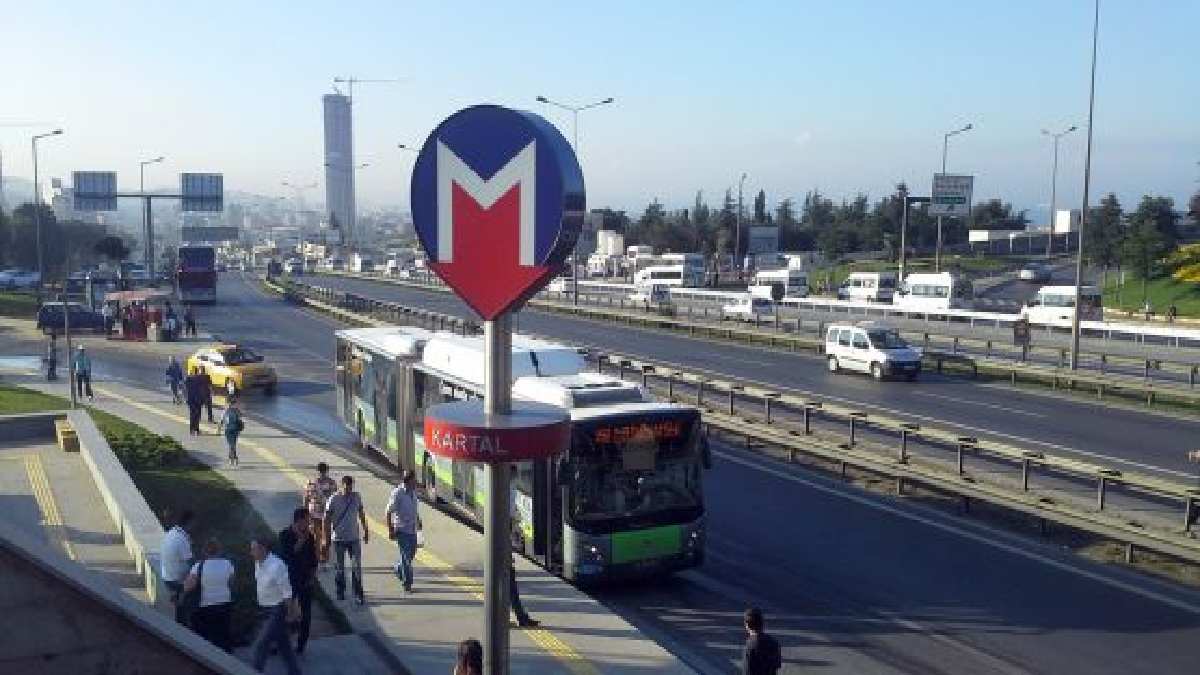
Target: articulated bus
624 500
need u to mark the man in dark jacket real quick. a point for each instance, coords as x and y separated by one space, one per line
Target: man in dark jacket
195 387
298 549
761 655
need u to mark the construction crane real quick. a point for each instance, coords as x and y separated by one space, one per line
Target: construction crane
351 81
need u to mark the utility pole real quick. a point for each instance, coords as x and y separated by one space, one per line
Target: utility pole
1054 187
37 212
1087 183
147 215
737 236
937 256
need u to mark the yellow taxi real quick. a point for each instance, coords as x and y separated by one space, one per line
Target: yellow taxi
234 369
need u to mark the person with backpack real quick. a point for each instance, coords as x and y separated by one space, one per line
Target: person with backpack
175 379
316 494
346 528
83 373
231 423
761 655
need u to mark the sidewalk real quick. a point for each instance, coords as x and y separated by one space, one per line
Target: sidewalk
419 630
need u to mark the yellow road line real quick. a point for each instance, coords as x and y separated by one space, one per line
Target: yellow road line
543 638
51 518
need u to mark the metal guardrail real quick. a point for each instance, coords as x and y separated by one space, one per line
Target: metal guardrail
786 421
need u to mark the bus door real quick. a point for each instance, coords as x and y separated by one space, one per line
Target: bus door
379 406
344 381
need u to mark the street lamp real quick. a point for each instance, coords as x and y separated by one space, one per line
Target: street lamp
146 227
1087 183
575 110
737 236
1054 185
937 257
37 212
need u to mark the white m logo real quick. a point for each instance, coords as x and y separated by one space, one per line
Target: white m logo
520 170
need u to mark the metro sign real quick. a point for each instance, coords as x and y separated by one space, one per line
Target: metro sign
497 203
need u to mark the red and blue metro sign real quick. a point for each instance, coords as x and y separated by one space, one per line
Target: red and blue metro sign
497 202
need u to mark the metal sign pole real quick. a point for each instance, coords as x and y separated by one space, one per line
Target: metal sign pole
497 401
70 356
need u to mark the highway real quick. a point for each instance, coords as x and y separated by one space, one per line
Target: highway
1123 435
853 583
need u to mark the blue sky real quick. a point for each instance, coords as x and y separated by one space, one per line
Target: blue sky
845 97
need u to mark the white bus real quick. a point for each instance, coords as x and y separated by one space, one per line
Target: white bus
794 283
670 275
624 500
1055 304
868 287
931 292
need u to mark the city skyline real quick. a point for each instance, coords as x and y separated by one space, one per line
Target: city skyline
788 95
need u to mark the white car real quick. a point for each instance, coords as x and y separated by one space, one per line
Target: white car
1034 272
649 296
873 349
747 307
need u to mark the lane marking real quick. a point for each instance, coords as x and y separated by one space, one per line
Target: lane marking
981 404
1014 549
542 637
51 517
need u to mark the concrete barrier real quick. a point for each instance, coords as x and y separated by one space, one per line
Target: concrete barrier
140 528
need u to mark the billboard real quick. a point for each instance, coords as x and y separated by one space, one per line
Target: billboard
94 190
202 191
762 239
209 234
951 195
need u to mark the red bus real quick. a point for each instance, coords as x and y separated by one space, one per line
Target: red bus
196 275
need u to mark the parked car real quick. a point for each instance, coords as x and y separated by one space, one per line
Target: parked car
50 317
747 307
1035 272
871 348
234 369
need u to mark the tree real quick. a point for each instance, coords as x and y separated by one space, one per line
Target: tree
996 215
111 247
1150 235
760 208
1194 206
1104 234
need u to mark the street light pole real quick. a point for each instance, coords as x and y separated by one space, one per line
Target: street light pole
937 256
1054 187
147 216
37 212
737 235
903 229
1087 183
575 110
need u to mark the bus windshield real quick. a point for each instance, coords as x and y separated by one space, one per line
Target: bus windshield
636 470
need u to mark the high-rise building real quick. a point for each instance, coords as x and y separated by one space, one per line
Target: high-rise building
339 166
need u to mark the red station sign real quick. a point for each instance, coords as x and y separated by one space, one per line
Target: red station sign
462 431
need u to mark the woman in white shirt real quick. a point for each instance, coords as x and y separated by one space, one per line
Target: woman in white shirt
211 619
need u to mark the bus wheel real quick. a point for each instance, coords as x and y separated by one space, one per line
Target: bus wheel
876 371
833 364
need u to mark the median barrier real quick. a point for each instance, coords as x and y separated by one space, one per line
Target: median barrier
904 465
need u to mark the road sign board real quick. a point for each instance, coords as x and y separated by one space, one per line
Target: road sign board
462 430
497 202
209 234
202 191
94 190
951 195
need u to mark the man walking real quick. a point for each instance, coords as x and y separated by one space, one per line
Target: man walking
298 549
83 373
194 392
109 315
274 601
176 559
316 495
761 655
175 379
403 522
232 424
189 321
206 381
344 514
52 358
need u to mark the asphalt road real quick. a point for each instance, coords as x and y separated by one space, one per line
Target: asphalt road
852 583
1126 437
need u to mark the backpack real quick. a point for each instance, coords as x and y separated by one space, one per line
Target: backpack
235 423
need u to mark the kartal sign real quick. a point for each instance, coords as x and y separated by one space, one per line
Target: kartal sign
462 431
497 202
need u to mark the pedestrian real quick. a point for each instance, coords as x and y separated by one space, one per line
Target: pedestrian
213 574
298 548
109 315
761 655
404 520
193 390
342 529
277 605
316 494
175 379
83 373
470 658
1172 313
1147 309
232 424
189 321
514 599
176 559
52 357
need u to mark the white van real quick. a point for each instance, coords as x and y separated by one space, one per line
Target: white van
651 295
933 292
1055 304
793 283
868 287
747 307
871 348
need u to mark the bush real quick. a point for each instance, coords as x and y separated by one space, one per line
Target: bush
144 450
